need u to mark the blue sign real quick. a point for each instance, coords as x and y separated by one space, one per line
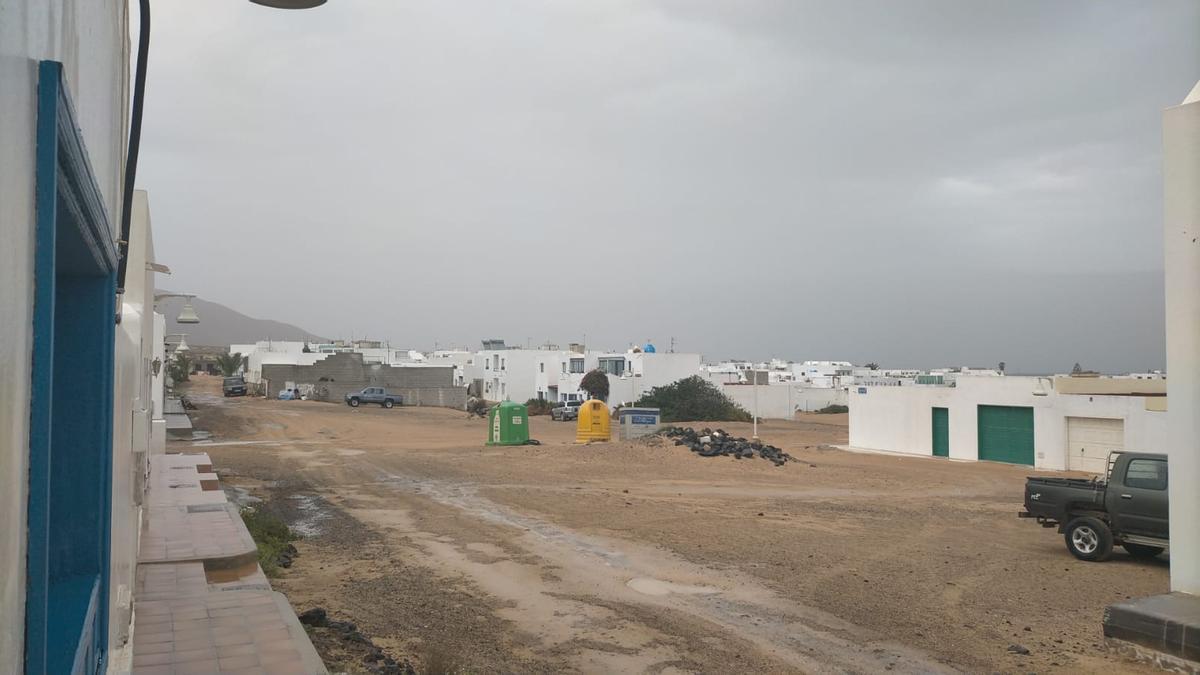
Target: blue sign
862 390
643 419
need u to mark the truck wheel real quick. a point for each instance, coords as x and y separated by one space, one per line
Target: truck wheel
353 403
1142 550
1089 539
387 403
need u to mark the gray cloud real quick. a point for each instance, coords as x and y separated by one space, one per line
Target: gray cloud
919 183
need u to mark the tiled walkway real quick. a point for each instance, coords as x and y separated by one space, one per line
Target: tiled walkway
220 632
202 603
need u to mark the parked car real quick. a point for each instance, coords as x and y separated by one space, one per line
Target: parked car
234 386
1128 508
373 395
569 410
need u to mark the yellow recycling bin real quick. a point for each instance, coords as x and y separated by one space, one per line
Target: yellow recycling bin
593 424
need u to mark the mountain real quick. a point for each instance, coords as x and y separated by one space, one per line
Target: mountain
221 326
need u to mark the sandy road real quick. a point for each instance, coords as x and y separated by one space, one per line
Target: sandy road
642 558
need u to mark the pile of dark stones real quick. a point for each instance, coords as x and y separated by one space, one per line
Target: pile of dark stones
287 556
374 661
720 443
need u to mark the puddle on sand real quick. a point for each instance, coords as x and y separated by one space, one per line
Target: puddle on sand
312 513
651 586
239 495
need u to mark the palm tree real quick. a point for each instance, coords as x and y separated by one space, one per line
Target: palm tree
229 363
180 368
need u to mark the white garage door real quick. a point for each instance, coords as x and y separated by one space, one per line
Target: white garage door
1090 439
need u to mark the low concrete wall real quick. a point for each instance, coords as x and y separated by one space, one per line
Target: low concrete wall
783 401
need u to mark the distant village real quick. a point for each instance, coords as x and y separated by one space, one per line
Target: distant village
957 412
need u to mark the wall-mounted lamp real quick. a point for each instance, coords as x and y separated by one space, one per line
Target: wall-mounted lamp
188 313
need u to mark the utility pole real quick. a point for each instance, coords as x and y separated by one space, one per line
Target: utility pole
754 373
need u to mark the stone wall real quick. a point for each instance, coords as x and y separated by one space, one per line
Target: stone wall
339 374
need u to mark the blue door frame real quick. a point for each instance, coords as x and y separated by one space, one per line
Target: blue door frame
71 401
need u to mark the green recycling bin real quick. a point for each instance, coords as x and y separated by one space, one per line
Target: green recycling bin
508 424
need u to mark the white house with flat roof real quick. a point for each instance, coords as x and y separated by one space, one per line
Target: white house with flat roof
1057 422
554 374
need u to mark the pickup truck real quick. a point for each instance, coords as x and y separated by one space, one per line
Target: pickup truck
1127 508
569 410
234 386
373 395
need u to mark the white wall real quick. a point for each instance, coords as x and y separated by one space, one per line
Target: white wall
647 371
269 352
528 372
158 423
133 409
899 419
91 40
783 400
1181 215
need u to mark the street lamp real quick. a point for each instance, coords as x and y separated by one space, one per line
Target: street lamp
289 4
183 345
188 313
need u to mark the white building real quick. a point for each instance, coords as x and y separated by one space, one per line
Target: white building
268 352
1049 423
460 359
554 374
726 372
639 372
286 352
822 374
518 374
65 497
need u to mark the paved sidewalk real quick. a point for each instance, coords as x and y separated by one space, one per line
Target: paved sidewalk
202 603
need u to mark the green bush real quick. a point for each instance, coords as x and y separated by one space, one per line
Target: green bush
271 534
833 409
538 406
693 399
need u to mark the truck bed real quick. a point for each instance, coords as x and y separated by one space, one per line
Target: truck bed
1049 498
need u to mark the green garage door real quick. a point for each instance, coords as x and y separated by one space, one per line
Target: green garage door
1006 434
941 432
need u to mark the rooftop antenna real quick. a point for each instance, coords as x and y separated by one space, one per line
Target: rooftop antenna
672 344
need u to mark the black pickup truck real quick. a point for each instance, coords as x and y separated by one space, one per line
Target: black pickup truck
1128 508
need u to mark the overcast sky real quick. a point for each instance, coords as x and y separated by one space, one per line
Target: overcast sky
913 183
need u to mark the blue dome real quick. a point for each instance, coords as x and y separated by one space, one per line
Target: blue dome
649 348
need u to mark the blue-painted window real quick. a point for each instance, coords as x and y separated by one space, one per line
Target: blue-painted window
71 405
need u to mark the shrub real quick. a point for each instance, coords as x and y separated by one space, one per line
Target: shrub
539 406
477 407
693 399
271 534
833 409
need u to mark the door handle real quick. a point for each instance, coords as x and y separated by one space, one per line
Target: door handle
1126 496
